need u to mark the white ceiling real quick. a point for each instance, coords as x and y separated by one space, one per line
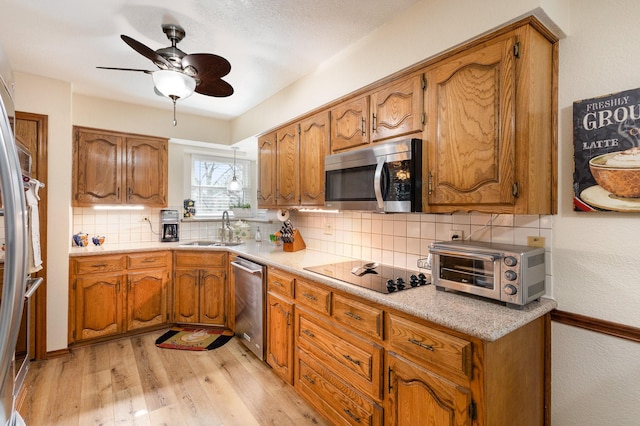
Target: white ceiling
270 43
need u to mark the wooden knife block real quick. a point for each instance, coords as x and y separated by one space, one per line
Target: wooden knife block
297 244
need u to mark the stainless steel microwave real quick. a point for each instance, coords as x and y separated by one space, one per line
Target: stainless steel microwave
511 274
384 178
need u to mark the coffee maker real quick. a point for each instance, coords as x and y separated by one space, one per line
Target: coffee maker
169 225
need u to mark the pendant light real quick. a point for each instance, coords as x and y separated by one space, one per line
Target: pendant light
234 185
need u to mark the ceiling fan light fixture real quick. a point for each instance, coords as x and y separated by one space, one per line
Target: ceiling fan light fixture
174 84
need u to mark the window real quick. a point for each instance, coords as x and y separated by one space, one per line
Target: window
210 177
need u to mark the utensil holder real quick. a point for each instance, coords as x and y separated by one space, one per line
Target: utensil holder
297 244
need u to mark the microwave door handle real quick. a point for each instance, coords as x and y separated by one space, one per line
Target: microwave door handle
377 182
489 257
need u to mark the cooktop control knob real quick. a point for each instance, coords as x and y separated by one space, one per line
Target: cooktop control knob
400 283
510 261
391 286
423 278
414 281
510 289
510 275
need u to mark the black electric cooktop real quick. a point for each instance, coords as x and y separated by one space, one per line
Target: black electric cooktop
372 275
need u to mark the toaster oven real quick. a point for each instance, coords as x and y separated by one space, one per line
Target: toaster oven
508 273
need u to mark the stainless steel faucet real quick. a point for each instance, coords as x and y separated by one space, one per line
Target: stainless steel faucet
226 223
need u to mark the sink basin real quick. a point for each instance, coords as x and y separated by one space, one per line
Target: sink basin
212 244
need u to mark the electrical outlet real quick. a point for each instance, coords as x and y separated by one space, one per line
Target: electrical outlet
455 234
535 241
328 228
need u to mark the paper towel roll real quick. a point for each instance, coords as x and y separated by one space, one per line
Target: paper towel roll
280 215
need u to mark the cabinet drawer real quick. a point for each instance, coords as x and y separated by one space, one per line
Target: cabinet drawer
332 396
94 264
358 315
433 347
147 260
200 259
313 296
280 282
355 359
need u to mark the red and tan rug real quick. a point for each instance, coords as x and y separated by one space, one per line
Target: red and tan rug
194 338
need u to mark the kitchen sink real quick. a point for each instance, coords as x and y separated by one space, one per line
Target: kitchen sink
212 244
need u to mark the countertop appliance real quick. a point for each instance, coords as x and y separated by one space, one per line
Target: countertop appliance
250 285
384 178
14 213
169 225
372 275
509 273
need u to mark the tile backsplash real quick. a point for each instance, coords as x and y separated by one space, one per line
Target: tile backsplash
397 239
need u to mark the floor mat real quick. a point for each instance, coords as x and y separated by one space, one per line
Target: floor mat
194 338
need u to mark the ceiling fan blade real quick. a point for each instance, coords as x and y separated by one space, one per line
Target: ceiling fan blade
125 69
147 52
217 87
207 65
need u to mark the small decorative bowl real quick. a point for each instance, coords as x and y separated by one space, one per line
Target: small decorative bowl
81 239
98 240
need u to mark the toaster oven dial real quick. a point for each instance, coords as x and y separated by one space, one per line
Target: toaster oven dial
510 289
510 275
510 261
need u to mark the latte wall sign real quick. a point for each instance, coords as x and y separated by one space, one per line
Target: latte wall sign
606 139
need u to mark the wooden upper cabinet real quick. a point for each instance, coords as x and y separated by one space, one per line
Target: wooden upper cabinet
490 121
118 168
314 146
471 134
146 171
97 177
267 156
288 168
350 124
397 108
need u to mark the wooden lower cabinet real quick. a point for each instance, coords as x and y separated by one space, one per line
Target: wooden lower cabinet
280 336
113 294
419 396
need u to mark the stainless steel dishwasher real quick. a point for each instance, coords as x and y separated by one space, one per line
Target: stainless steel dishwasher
250 309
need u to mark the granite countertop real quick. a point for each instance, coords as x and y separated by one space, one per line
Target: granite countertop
485 319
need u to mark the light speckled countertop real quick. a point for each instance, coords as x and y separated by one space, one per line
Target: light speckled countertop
487 320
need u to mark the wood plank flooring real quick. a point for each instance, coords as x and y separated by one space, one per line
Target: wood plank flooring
130 381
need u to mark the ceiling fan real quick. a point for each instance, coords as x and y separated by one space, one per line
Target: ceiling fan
180 74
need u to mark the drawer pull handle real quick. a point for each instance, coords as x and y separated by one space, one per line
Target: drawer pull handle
348 358
99 265
308 333
354 316
309 296
353 416
422 345
278 283
151 260
309 379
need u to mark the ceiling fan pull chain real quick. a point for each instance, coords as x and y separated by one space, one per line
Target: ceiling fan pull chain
175 122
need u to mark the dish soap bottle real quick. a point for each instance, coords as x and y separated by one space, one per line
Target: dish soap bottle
258 235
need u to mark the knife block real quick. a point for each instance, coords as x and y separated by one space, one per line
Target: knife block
297 244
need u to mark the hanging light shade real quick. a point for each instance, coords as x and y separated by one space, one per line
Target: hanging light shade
174 84
234 185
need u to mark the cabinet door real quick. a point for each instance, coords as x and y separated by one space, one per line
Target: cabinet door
99 306
471 154
397 109
212 297
417 396
147 172
146 298
314 146
349 124
288 169
267 155
186 295
97 165
280 336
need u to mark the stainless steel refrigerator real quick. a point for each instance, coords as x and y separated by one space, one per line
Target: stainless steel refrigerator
14 214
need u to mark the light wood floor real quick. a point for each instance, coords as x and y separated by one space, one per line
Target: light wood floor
132 382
